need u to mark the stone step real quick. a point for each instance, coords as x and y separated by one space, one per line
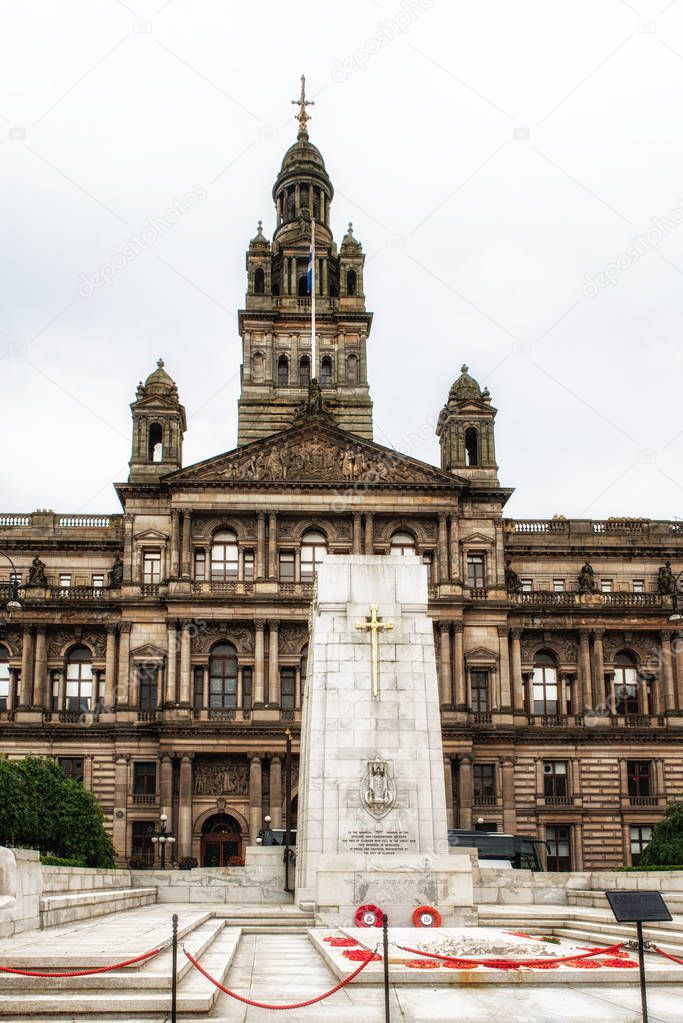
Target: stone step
598 900
671 941
195 993
67 907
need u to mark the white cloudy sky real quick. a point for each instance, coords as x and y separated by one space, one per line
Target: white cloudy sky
490 154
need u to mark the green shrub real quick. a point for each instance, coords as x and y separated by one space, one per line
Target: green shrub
665 848
61 861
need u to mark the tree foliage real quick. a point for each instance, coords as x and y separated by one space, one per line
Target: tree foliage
665 848
42 808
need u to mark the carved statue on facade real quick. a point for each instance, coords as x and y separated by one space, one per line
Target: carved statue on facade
116 573
587 583
665 579
513 584
220 777
378 793
36 573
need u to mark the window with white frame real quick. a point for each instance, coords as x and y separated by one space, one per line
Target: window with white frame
606 585
151 567
4 677
79 679
639 586
558 585
640 835
224 556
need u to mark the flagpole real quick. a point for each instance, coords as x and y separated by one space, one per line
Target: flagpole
314 372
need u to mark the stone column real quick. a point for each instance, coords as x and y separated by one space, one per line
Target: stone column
454 548
276 792
120 824
517 680
260 545
255 798
585 666
369 533
26 686
459 666
503 650
507 765
185 807
465 791
445 696
185 668
442 575
273 663
110 668
40 668
175 544
678 654
123 682
170 698
259 663
598 668
448 781
667 673
166 789
186 568
272 545
357 548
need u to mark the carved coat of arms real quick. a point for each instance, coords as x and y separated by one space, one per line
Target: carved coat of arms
377 788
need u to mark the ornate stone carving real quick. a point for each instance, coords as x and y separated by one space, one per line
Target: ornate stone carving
116 573
239 635
377 788
513 584
587 583
221 776
665 579
292 637
36 573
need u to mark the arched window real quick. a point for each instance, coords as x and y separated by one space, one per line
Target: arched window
313 549
402 543
626 684
4 677
302 287
471 446
352 369
156 446
545 692
223 677
304 371
258 366
79 679
259 281
282 371
351 282
224 556
326 371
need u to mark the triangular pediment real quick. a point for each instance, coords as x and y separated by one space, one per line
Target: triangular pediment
151 534
315 452
148 652
477 538
481 654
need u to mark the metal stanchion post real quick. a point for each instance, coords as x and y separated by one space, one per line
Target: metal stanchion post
641 962
385 960
174 970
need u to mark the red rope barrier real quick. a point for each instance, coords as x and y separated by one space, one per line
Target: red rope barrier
295 1005
85 973
667 955
513 962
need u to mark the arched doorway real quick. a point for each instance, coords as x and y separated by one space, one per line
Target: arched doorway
221 841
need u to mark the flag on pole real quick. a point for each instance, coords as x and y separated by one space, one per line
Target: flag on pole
309 274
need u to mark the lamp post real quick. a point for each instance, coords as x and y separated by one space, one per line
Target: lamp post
162 839
13 604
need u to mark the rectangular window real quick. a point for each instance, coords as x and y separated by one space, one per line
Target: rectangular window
141 841
72 766
639 586
98 581
4 684
558 585
287 688
198 689
558 838
479 681
144 778
247 677
427 561
476 571
248 566
64 581
640 837
544 690
54 689
555 780
605 585
147 677
200 566
286 566
527 585
639 773
151 566
484 783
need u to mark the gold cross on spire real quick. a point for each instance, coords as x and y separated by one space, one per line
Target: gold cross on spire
302 117
374 625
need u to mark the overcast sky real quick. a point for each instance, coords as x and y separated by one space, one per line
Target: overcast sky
513 170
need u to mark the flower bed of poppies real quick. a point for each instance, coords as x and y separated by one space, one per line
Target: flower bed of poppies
360 955
421 964
341 942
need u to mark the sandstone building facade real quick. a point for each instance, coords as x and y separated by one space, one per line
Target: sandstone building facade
160 654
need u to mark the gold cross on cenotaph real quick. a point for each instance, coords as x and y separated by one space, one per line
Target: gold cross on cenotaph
374 625
302 117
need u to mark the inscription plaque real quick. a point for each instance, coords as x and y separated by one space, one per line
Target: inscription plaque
384 843
632 907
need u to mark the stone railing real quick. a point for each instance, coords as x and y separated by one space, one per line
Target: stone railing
78 593
49 521
549 598
588 528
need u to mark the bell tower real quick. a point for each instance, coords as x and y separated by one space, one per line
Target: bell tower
466 432
276 323
158 427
